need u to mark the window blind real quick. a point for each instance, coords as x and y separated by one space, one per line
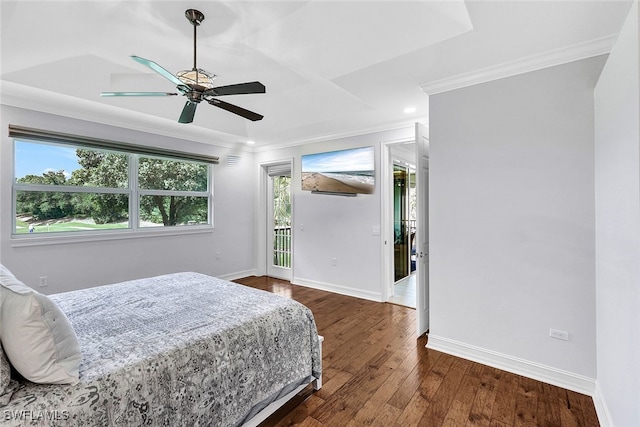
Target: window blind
48 136
281 169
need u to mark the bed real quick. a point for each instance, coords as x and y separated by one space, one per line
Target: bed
183 349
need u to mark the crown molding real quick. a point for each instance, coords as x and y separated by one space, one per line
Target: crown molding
45 101
404 124
551 58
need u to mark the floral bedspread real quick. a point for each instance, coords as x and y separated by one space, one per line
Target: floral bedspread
182 349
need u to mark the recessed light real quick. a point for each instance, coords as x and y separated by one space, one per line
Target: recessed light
250 142
410 110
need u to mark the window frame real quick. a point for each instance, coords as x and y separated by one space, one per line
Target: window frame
133 230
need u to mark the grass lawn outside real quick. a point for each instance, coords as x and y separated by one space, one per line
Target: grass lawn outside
22 227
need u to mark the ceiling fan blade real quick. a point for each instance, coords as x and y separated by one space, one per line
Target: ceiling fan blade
158 69
237 89
236 110
137 94
188 112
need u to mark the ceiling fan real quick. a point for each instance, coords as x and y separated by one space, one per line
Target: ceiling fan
197 84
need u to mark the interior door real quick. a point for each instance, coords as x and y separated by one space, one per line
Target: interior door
422 226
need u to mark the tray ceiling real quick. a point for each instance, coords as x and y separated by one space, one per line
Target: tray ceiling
330 67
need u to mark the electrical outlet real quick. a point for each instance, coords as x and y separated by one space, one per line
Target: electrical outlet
218 256
334 262
44 281
561 335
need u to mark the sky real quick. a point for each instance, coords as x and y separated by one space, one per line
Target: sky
35 159
357 159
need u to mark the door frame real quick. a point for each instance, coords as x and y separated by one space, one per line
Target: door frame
262 254
386 200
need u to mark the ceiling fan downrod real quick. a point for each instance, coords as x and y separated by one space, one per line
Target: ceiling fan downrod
195 17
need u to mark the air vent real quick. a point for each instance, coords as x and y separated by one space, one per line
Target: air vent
233 160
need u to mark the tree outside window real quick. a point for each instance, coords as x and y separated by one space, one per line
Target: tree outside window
98 190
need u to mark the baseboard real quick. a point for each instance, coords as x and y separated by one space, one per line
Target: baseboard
238 275
604 417
323 286
337 289
526 368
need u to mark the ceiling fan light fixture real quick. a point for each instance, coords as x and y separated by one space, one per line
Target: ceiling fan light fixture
197 77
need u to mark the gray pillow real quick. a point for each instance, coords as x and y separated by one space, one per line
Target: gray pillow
7 386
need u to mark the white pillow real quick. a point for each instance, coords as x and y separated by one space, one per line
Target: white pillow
36 335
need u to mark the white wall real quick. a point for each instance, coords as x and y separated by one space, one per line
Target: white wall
327 226
512 222
78 265
617 160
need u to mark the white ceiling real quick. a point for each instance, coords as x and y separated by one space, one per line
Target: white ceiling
331 68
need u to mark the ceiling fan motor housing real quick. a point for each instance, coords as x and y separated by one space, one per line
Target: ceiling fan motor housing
194 16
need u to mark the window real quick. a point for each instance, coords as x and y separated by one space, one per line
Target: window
76 188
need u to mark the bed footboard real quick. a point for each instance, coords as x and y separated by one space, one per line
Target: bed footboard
317 383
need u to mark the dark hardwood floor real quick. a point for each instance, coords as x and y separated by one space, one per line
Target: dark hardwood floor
375 372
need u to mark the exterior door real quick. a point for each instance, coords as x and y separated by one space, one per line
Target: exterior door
279 208
422 245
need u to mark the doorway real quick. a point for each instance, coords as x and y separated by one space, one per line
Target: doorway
403 201
279 238
404 232
416 152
